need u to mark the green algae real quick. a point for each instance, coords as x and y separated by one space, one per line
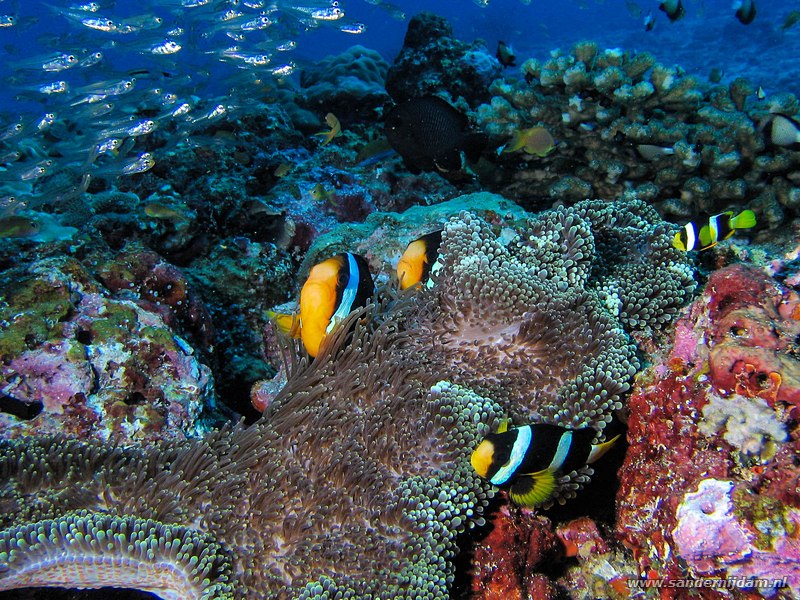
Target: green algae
32 314
766 515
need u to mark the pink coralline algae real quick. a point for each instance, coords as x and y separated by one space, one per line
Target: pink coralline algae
712 495
710 536
75 360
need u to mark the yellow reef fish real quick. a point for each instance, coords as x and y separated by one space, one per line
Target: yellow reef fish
320 194
156 210
536 140
17 226
334 131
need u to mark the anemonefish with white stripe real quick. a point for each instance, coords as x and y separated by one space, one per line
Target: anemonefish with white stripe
419 260
334 288
720 227
527 460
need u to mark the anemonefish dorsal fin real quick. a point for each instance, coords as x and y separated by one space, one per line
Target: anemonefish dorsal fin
504 424
599 450
744 220
534 489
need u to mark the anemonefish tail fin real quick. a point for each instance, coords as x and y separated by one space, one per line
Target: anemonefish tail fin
744 220
503 427
534 489
599 449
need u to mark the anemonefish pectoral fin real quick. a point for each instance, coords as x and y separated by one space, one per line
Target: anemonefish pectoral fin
705 238
286 323
533 489
503 427
599 450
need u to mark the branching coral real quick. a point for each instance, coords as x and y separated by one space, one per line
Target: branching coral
357 480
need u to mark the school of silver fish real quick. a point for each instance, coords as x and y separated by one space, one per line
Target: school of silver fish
86 102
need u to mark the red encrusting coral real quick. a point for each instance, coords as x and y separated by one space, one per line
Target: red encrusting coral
504 562
737 343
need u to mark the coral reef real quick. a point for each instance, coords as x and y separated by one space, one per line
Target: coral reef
695 465
432 61
350 84
356 481
622 120
77 361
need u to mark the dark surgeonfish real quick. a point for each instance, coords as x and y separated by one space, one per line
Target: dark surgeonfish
432 135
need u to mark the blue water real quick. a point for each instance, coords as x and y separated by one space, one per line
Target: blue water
214 64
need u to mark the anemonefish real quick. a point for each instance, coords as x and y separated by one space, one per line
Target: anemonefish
334 288
745 11
419 260
720 227
527 460
673 9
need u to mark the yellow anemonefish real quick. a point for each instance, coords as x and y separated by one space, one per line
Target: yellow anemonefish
673 9
526 460
334 288
335 129
419 260
719 227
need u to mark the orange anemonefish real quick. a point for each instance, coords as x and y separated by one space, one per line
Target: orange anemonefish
419 260
719 227
526 460
334 288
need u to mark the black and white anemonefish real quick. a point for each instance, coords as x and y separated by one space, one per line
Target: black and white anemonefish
419 260
526 460
695 236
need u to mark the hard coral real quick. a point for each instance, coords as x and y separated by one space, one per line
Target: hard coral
623 122
350 84
432 61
